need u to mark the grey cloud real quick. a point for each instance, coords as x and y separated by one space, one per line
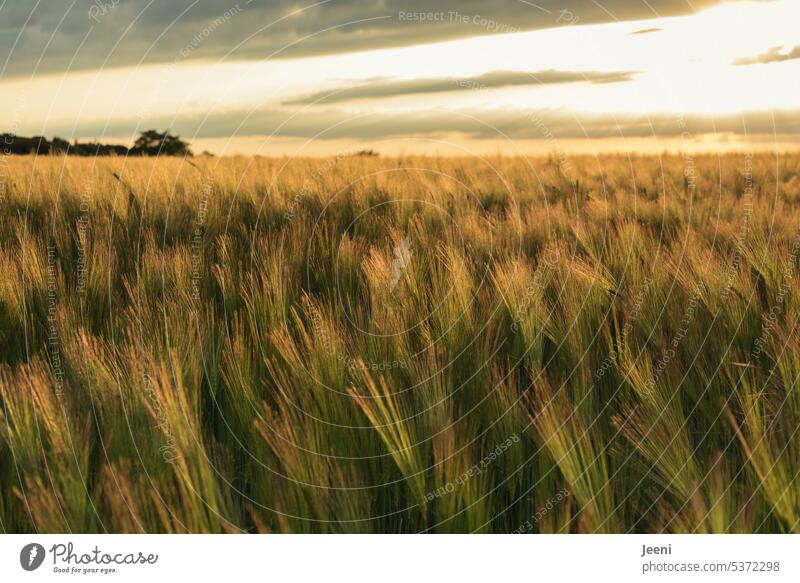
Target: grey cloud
516 124
497 79
127 32
647 30
773 55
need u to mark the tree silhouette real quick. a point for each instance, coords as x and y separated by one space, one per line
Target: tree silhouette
155 143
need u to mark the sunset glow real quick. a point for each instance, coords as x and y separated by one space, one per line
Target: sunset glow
730 65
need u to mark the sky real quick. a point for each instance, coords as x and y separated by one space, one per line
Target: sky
275 77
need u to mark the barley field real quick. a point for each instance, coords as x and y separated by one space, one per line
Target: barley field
396 345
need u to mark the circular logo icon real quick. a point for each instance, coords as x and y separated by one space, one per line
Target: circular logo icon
31 556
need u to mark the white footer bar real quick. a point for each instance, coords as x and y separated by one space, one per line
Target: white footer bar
390 558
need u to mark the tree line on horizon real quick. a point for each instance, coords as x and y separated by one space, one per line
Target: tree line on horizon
149 143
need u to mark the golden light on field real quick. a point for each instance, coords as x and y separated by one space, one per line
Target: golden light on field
492 267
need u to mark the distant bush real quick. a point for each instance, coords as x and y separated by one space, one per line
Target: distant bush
154 143
369 153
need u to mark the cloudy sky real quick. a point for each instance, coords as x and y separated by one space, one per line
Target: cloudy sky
289 77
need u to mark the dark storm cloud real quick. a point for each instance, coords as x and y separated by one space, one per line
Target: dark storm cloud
386 88
773 55
49 36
